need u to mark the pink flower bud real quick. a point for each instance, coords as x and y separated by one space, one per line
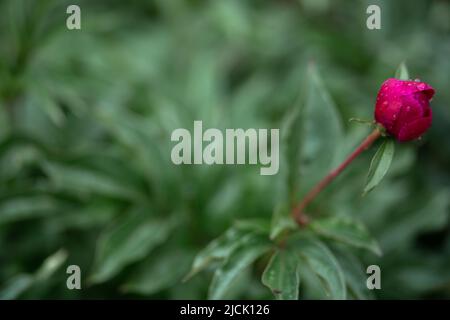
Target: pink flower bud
403 108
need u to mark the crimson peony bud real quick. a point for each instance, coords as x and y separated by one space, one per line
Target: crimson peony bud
403 108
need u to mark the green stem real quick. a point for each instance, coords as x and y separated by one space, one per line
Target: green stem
298 211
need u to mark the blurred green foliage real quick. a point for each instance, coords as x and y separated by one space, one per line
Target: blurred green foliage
85 171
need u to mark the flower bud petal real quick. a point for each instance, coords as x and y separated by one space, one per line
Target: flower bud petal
403 108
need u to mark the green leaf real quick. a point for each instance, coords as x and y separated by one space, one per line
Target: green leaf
238 260
322 132
281 221
346 230
16 286
281 275
23 281
50 106
51 264
291 148
152 274
86 181
402 72
323 263
218 249
260 226
380 164
355 276
311 129
26 207
128 242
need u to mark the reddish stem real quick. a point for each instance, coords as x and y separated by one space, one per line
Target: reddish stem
297 212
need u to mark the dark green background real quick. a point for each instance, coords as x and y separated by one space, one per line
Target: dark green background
86 118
